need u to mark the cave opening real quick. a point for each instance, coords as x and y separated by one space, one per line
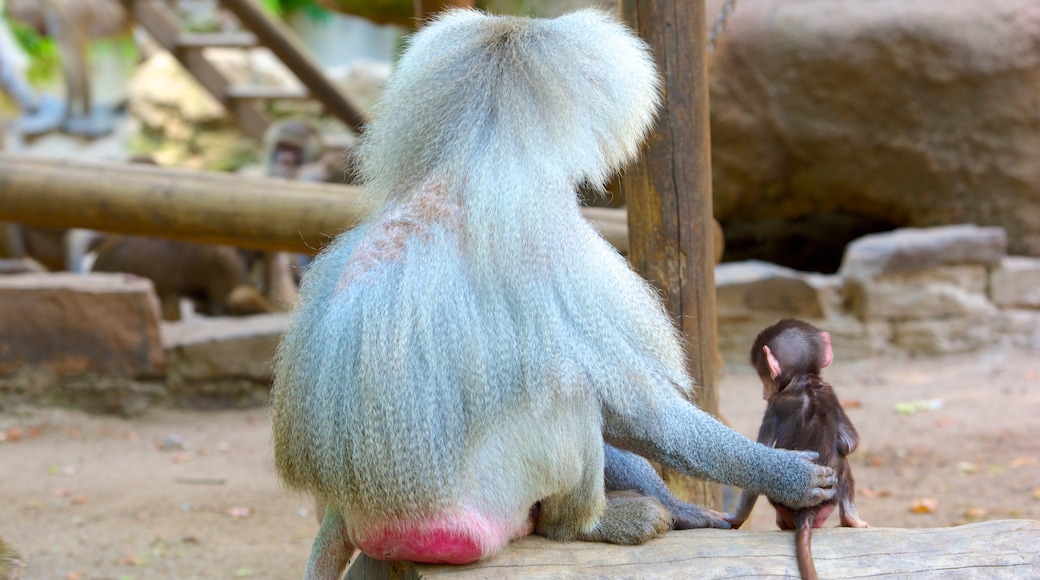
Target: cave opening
813 243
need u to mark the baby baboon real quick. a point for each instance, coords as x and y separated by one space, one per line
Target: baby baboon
802 412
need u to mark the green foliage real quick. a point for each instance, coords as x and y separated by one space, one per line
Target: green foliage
281 8
43 53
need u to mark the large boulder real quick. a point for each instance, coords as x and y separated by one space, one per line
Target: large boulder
91 340
897 112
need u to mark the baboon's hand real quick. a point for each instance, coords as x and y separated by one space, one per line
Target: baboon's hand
692 517
803 483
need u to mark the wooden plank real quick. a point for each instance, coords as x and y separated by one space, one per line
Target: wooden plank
162 25
993 550
671 230
266 93
263 214
283 43
200 40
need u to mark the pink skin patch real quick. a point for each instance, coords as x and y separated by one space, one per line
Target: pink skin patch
412 218
446 539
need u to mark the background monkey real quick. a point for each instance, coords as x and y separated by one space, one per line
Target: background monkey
464 354
294 149
73 24
802 412
289 145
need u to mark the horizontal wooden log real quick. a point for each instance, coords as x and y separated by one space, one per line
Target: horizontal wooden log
221 208
997 549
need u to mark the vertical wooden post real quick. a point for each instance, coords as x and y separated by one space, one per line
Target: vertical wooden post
669 198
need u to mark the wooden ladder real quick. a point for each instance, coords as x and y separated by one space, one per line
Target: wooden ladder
244 101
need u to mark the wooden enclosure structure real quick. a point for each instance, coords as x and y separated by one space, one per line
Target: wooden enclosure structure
254 213
997 550
244 103
669 200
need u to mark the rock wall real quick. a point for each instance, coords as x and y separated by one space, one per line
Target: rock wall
899 112
936 291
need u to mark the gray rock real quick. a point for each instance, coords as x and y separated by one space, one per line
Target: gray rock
752 295
221 361
1020 328
915 250
1015 283
950 336
743 289
943 292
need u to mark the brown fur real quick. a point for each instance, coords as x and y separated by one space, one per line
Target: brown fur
205 273
803 413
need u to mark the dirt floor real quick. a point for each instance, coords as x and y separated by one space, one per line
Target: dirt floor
190 494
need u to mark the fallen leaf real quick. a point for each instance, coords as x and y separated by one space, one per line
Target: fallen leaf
73 576
80 500
132 561
1021 462
974 513
945 422
13 434
181 457
851 403
239 512
925 505
1036 493
872 493
911 407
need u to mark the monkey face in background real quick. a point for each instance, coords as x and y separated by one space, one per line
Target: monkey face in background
467 352
285 161
290 144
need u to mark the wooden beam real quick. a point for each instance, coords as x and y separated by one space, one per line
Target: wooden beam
221 208
283 43
1000 549
263 214
162 25
669 199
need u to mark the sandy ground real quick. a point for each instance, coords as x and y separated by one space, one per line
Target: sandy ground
190 494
